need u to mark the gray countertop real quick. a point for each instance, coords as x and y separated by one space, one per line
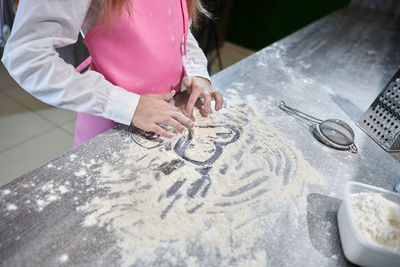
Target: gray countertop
64 211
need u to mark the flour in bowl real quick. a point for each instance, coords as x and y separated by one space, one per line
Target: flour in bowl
377 218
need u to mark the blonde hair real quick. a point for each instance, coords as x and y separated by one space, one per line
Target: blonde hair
110 8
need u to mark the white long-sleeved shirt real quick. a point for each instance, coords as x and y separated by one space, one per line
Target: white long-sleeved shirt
39 28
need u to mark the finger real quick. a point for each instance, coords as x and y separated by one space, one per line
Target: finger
175 124
182 119
190 104
176 109
207 102
160 131
199 105
219 100
187 81
167 96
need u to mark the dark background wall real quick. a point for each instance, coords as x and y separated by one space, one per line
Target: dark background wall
257 23
254 23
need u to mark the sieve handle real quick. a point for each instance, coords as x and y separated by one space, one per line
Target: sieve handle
282 105
353 148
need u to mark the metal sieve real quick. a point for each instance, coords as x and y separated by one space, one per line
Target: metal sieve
332 132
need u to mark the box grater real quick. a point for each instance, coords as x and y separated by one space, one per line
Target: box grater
382 119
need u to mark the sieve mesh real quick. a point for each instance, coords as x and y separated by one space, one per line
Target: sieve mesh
337 131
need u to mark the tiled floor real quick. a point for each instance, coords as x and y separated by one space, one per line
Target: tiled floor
32 133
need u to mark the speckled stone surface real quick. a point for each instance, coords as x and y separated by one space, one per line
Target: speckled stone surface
333 68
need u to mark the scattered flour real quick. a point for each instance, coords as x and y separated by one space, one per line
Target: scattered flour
208 193
11 207
41 204
62 189
6 192
261 64
80 173
50 193
378 218
72 157
63 258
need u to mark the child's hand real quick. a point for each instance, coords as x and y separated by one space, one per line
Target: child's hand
201 87
154 109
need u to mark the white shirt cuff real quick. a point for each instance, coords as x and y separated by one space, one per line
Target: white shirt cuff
121 106
198 71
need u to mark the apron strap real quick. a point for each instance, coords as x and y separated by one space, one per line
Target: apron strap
84 64
185 22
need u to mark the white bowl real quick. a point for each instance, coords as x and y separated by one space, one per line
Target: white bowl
358 248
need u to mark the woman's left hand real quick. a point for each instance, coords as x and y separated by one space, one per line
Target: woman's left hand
201 87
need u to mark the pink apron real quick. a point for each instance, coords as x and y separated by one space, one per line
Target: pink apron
141 53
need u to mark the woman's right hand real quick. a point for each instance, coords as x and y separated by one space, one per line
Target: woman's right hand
154 109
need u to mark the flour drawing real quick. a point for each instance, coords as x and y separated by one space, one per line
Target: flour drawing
214 188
